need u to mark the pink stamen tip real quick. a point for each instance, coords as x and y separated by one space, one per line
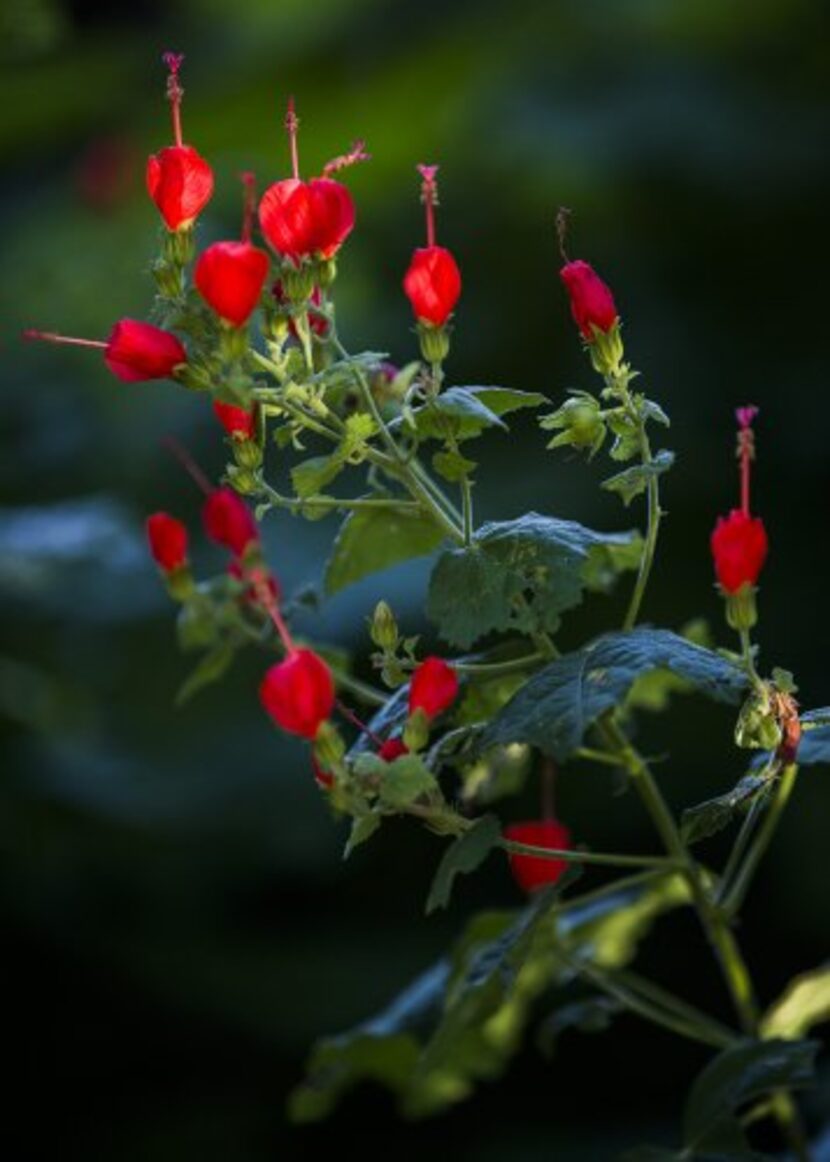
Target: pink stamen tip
356 154
173 61
746 415
428 173
429 197
31 334
292 124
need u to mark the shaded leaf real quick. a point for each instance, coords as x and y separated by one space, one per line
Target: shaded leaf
632 481
461 413
522 574
812 719
652 691
462 856
363 828
372 539
739 1075
556 707
452 466
713 815
404 780
310 477
589 1015
209 669
804 1003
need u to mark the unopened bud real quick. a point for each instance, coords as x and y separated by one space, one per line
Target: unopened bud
383 629
579 422
435 342
757 727
329 748
298 282
416 731
242 480
247 453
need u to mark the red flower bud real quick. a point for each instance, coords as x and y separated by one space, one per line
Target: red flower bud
592 303
136 351
180 182
236 421
433 687
298 693
392 749
229 521
739 548
533 871
433 284
168 541
230 277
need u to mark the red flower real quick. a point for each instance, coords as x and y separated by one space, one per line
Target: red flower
433 687
229 521
136 351
180 182
230 277
534 871
392 749
236 421
168 541
592 303
306 219
298 693
433 284
739 548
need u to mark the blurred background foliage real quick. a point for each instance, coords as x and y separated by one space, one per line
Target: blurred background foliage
181 924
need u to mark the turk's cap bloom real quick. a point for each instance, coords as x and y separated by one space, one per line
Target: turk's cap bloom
739 548
238 422
229 521
533 871
592 303
306 219
432 284
167 538
298 693
230 276
137 351
180 182
433 687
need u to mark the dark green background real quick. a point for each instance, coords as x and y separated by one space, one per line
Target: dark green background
180 924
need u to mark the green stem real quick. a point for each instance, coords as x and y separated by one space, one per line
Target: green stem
668 1000
653 528
601 859
362 690
335 502
748 660
494 669
743 878
598 756
739 847
428 483
658 1015
467 509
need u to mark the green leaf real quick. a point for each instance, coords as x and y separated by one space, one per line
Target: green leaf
452 466
652 691
209 669
363 828
404 780
590 1015
310 477
461 857
804 1003
371 539
503 400
737 1076
555 708
463 1019
813 719
632 481
713 815
522 575
461 413
196 626
815 746
652 411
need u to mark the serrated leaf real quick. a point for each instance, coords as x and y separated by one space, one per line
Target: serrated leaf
452 466
360 427
463 1019
461 413
310 477
804 1003
462 856
363 828
652 411
556 707
632 481
713 815
739 1075
522 575
209 669
653 691
372 539
814 746
404 780
196 626
503 400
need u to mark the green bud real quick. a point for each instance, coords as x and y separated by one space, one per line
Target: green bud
297 282
326 273
233 343
580 419
606 350
741 610
435 342
179 246
180 584
383 629
247 453
242 481
416 731
195 376
329 748
757 727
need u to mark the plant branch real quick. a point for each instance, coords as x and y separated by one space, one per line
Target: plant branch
601 859
743 878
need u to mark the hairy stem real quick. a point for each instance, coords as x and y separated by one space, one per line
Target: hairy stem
652 530
743 878
599 858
